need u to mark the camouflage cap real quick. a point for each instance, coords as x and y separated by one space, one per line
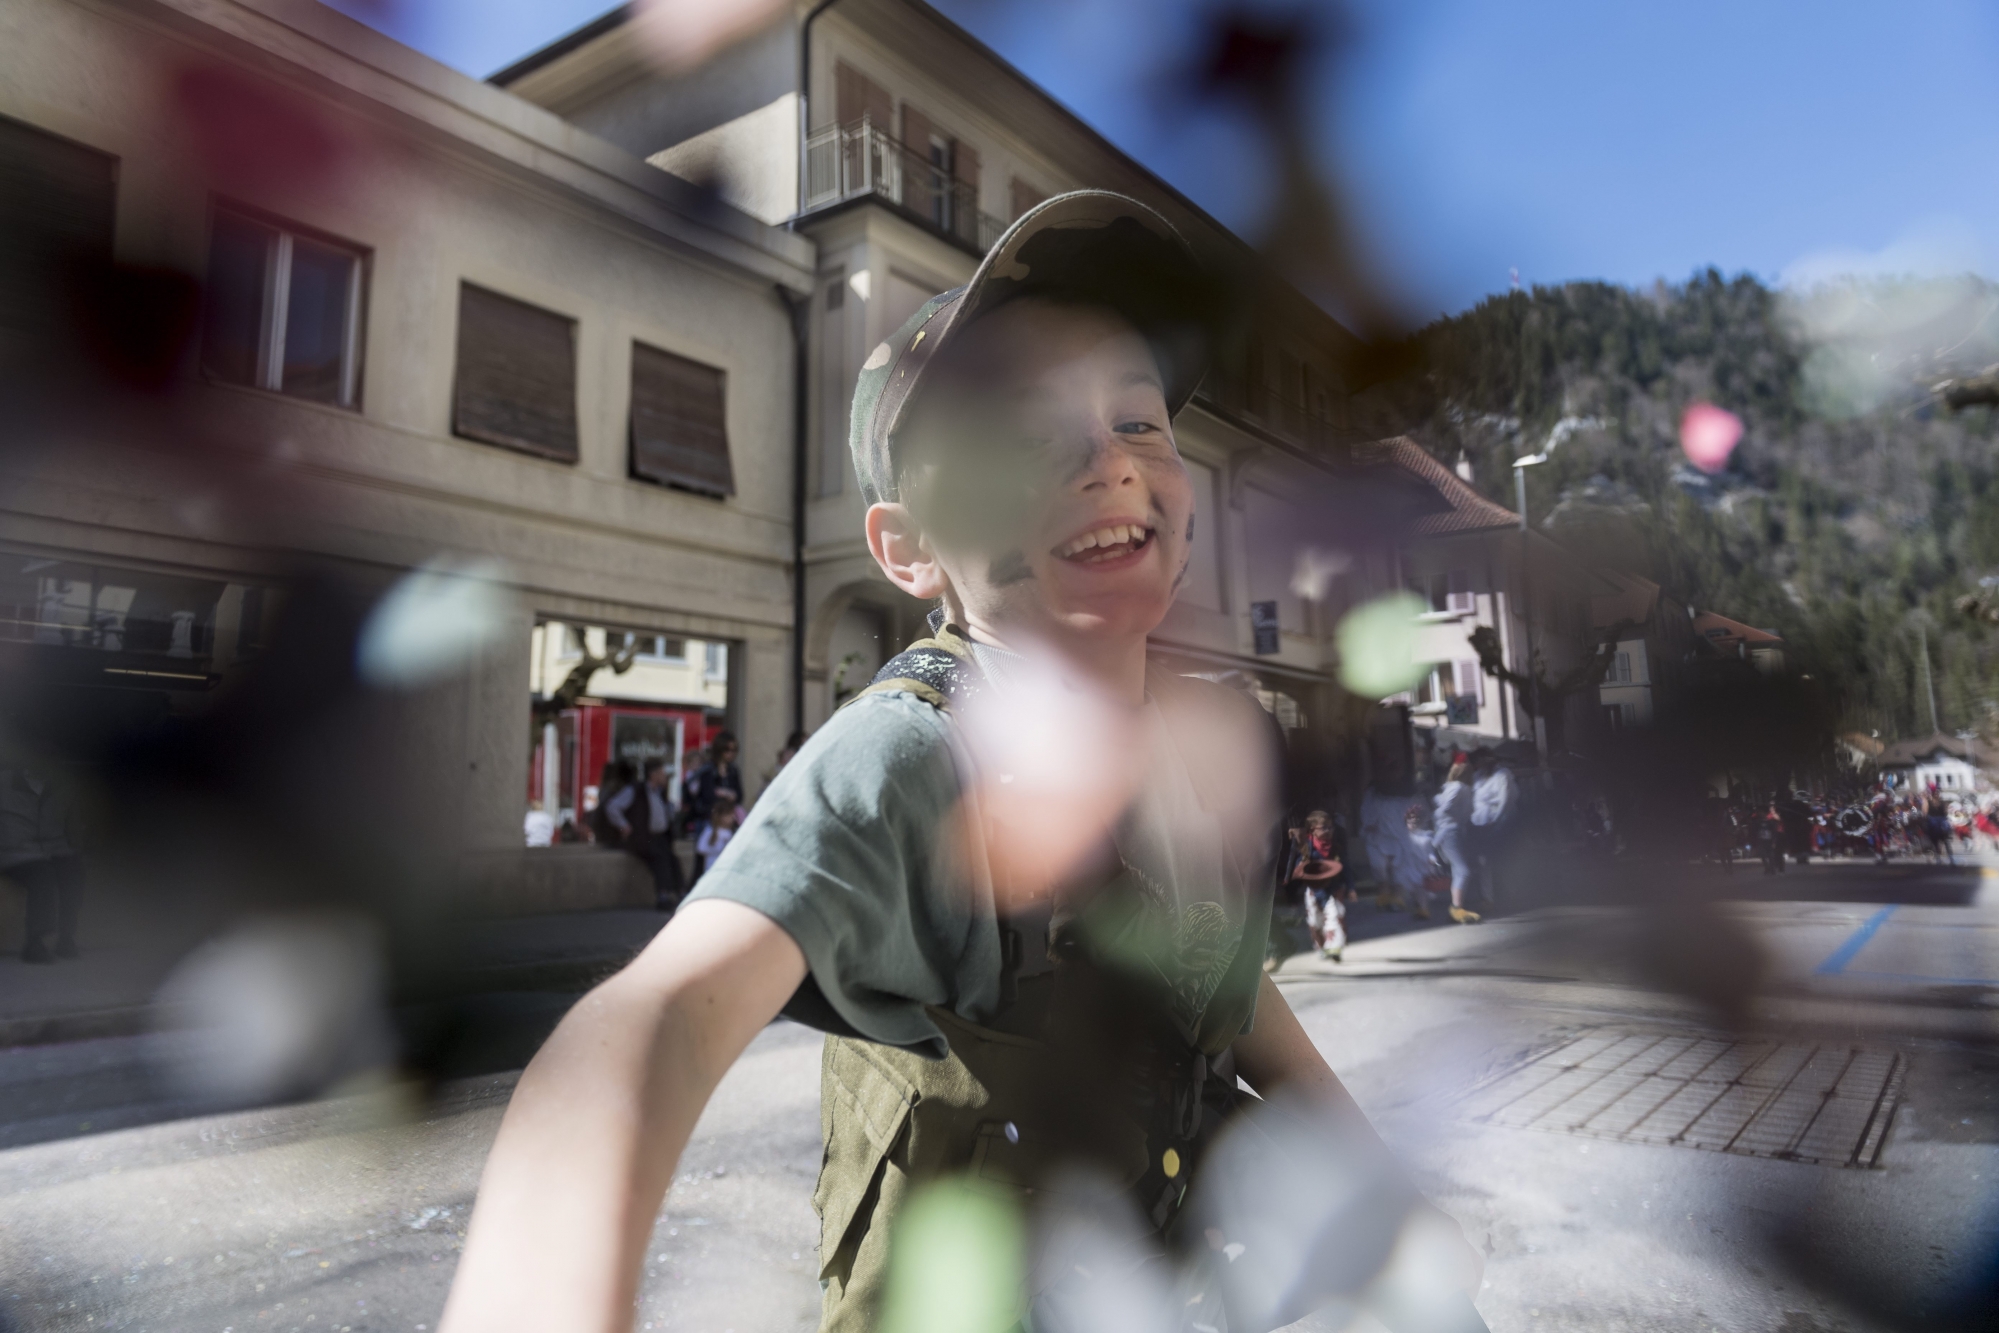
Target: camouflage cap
1090 246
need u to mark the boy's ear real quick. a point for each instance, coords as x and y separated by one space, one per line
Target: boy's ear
903 552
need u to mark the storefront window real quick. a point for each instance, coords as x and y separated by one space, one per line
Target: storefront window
146 627
604 701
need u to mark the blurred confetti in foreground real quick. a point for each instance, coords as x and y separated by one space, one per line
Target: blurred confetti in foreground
1708 435
434 623
1377 643
281 1006
957 1264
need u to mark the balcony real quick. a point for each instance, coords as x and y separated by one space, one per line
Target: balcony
844 162
1228 391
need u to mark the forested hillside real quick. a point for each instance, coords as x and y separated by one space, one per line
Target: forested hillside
1857 508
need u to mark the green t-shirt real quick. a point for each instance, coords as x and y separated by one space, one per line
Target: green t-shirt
855 850
846 850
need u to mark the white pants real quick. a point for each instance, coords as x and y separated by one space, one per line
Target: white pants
1451 851
1326 915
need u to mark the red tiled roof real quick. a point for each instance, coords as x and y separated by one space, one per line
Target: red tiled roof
1718 628
1465 509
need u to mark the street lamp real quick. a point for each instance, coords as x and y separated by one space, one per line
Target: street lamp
1520 466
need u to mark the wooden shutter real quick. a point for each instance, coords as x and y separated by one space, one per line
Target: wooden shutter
57 202
856 95
680 433
1024 196
920 179
965 197
1471 681
516 381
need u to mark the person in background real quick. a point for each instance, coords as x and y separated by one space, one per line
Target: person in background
1448 829
1770 839
1398 863
1318 865
538 827
1495 804
723 820
644 819
616 776
718 772
37 852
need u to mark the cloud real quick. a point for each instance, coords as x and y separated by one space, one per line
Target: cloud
1937 247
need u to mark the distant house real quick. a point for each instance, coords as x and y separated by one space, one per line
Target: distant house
1473 567
1858 750
1656 642
1761 648
1949 763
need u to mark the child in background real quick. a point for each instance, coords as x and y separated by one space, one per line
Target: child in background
1318 862
721 826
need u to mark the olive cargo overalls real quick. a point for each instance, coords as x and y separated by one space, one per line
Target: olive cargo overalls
892 1120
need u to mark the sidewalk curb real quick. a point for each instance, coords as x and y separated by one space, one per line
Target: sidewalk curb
562 975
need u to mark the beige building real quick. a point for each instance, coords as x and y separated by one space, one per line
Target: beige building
440 326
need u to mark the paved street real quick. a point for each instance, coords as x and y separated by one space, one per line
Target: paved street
1626 1156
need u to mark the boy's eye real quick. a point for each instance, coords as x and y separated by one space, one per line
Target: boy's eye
1137 428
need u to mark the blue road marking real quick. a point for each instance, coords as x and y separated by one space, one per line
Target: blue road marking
1840 957
1931 981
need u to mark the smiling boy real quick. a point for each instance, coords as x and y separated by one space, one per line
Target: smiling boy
1000 1003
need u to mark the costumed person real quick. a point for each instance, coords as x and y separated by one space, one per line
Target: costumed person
1448 829
1495 805
1398 863
1036 949
1318 866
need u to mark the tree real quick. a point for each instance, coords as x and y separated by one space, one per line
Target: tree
1540 697
577 682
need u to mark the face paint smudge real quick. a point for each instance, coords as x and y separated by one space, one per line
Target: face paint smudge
1009 567
1190 527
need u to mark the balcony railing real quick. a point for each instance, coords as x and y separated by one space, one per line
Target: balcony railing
848 161
1307 425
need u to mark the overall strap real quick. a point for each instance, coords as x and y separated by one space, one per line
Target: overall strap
938 669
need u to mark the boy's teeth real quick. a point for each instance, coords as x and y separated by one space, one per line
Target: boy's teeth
1112 536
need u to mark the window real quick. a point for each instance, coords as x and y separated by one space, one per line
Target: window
715 661
1470 681
680 431
516 380
1446 593
1614 714
57 201
659 648
1620 670
855 96
156 627
283 311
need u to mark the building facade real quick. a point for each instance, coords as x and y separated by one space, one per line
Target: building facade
439 327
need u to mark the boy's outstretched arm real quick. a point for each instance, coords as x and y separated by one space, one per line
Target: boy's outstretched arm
597 1124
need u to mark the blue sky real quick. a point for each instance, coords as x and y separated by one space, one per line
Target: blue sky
1564 138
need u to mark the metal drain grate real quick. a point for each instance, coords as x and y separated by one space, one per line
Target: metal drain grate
1828 1103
